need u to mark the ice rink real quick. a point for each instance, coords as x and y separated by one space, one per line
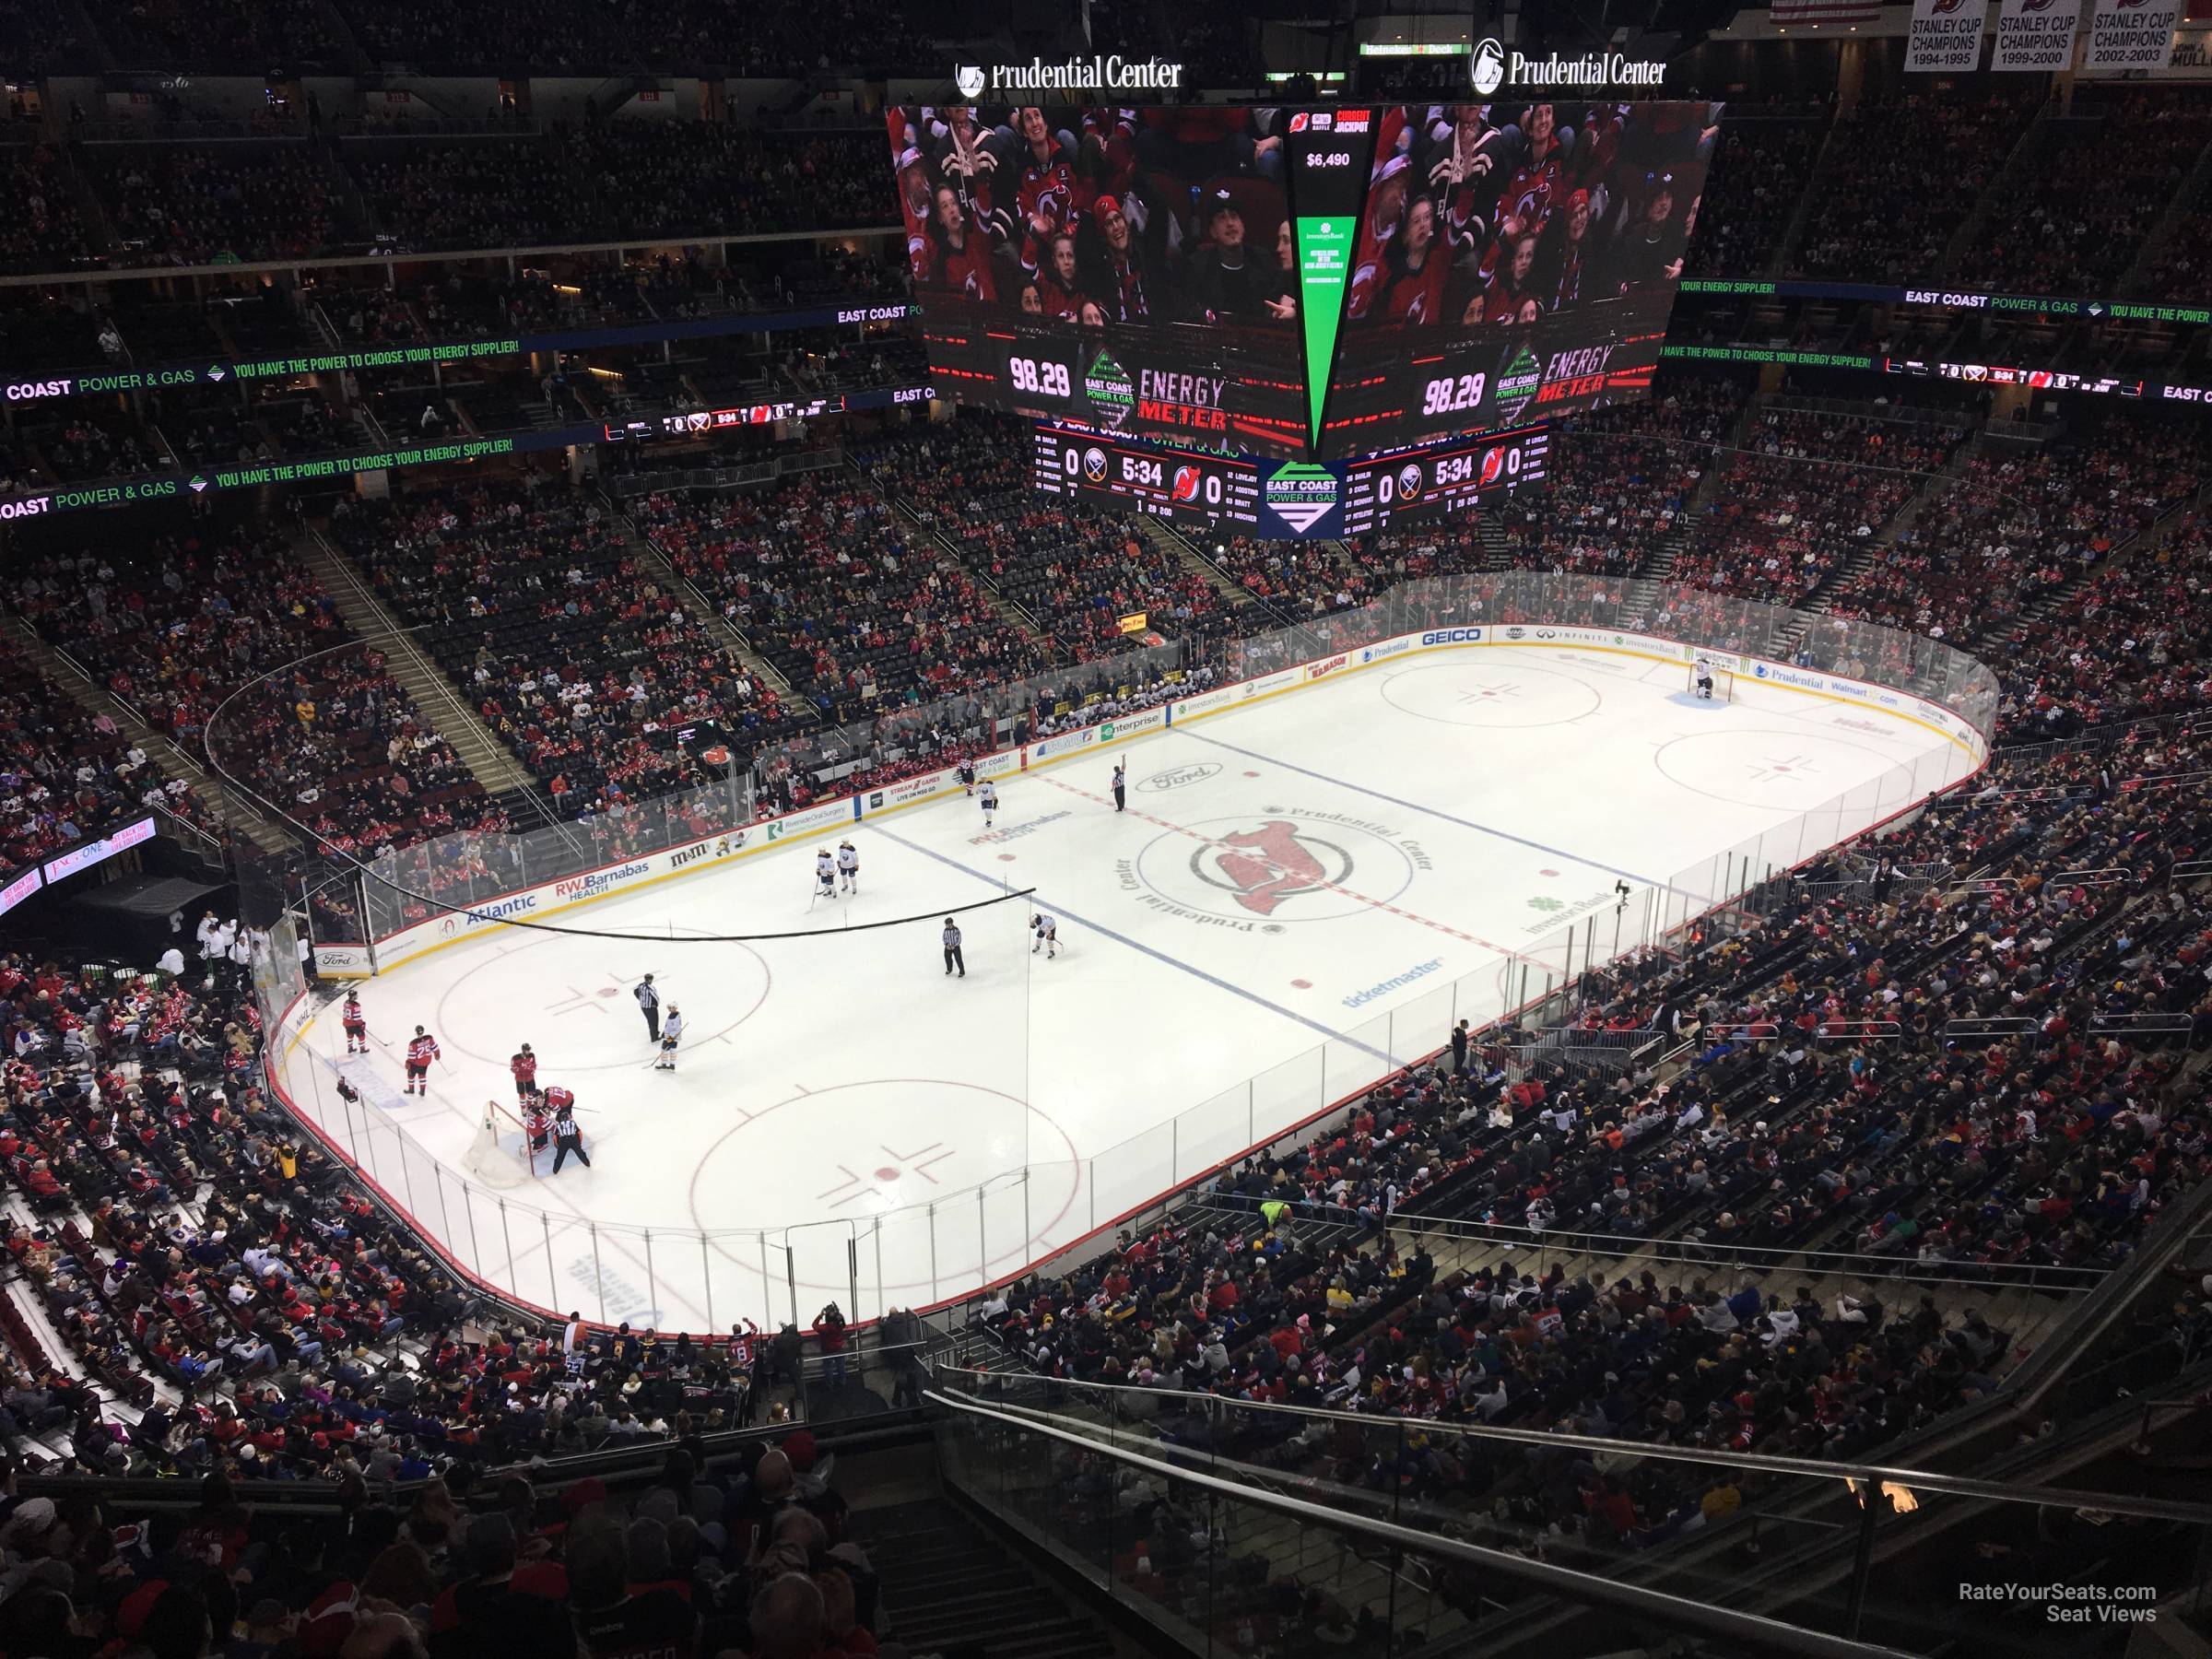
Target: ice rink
1301 892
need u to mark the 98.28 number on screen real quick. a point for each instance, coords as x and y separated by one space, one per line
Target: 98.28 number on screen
1045 378
1454 395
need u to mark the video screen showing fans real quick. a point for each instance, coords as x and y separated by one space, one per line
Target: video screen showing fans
1128 268
1513 261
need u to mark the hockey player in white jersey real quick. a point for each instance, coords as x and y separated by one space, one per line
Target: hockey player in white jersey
825 875
672 1033
988 800
1047 930
848 867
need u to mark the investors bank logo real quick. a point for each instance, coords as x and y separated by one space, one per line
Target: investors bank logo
1301 495
1112 392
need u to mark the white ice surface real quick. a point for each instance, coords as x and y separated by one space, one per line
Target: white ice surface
1437 825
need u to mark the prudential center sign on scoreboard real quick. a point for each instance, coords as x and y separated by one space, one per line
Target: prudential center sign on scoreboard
1106 74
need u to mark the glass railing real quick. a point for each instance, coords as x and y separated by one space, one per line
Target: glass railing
1180 1506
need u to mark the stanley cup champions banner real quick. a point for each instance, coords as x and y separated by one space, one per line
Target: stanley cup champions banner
1946 37
2131 34
2035 36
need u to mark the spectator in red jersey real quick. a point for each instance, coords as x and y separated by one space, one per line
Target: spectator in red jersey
914 207
1124 277
1508 275
1417 267
959 254
830 1332
1060 281
1539 179
1563 254
1385 213
1050 195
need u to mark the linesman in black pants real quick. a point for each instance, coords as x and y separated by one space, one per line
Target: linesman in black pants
1121 788
953 958
648 1000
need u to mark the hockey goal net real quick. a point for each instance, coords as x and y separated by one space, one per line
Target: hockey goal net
1724 682
500 1157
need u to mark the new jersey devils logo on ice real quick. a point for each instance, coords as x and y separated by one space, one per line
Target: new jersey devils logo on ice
1270 865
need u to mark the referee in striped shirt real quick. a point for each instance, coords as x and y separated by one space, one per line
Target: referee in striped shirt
650 1001
953 958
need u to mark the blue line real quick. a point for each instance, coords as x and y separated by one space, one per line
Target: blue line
1432 812
1157 955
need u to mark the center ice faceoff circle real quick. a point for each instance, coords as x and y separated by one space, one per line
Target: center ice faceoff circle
1272 865
1496 692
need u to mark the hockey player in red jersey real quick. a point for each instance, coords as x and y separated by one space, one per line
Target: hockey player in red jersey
423 1048
523 1064
355 1023
538 1126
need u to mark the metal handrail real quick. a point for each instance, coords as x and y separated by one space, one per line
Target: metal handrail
1918 1480
1750 1629
1768 1257
1965 1029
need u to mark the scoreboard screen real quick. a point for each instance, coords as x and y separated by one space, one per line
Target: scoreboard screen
1513 262
1286 500
1297 284
1190 486
1434 479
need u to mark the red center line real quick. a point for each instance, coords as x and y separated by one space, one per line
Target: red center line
1334 887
